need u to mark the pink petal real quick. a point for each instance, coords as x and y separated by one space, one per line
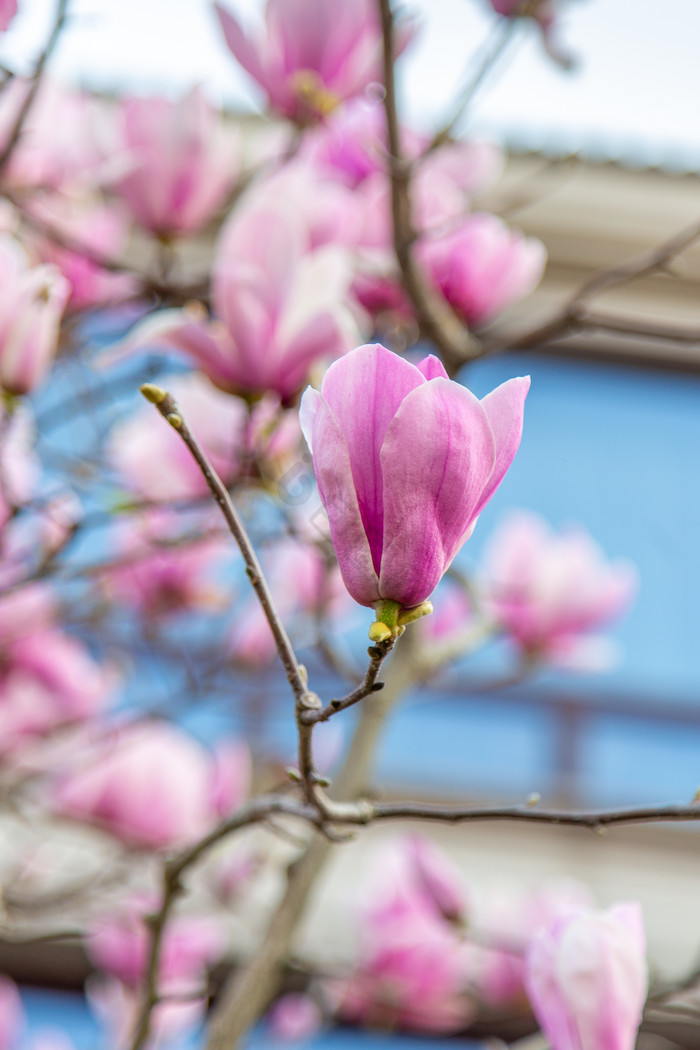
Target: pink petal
334 475
364 391
242 47
437 458
504 408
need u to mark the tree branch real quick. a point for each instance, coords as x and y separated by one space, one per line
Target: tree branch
438 322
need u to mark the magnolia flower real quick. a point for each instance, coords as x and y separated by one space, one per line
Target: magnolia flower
97 228
32 300
278 303
504 921
586 977
548 591
483 266
178 169
56 150
313 55
405 461
151 784
47 678
118 945
159 575
234 441
413 969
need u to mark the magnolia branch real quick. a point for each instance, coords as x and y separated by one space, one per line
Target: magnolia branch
577 315
438 322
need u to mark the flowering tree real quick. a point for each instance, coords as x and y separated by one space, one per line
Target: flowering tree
352 278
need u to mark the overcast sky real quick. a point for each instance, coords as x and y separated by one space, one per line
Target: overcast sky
634 96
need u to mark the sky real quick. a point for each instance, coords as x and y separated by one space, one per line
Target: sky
633 95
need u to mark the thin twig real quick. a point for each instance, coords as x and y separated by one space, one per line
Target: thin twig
576 314
166 405
377 655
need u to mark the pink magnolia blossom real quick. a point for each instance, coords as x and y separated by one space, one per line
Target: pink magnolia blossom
405 461
548 591
178 168
56 150
118 945
483 266
587 979
221 424
279 305
153 785
504 921
443 188
313 55
101 231
437 878
294 1017
413 967
47 678
12 1015
32 300
159 576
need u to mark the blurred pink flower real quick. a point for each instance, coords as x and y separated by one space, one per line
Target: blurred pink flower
437 878
47 678
220 422
504 921
443 188
159 575
56 150
179 169
280 305
32 300
152 785
101 230
587 979
412 971
405 461
314 55
294 1017
482 267
549 590
118 944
